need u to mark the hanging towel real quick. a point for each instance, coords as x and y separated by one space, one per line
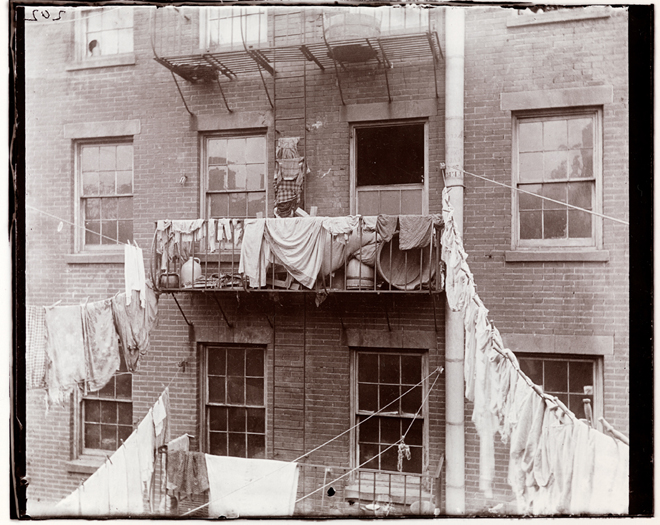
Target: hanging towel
101 344
187 227
133 324
386 226
180 443
118 488
134 272
255 253
609 494
297 243
161 417
35 347
146 441
341 227
583 469
211 235
186 472
251 487
415 231
133 472
369 223
65 350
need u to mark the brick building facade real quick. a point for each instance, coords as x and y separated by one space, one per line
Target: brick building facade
560 301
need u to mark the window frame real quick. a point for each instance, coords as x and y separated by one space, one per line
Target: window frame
204 395
204 139
598 386
424 26
568 244
354 403
80 37
80 246
235 45
354 197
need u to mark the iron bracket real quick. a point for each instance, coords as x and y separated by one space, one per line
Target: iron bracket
334 61
310 56
230 325
223 96
181 93
191 326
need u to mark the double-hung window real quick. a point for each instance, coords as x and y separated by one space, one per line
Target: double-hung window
557 156
409 19
104 31
234 410
234 176
388 407
105 174
229 28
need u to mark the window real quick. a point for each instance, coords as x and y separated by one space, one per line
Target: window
390 166
402 19
381 378
107 415
235 176
229 27
557 156
104 31
106 194
570 379
234 406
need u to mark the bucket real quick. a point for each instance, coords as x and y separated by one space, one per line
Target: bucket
191 270
359 275
351 26
402 274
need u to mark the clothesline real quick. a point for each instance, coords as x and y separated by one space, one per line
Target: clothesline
116 241
438 370
544 198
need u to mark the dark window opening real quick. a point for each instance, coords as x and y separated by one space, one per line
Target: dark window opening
390 155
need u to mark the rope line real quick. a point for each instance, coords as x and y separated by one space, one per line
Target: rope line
438 370
543 197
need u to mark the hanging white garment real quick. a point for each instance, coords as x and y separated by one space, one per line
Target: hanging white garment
134 278
255 253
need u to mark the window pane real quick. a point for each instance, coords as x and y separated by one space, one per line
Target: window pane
256 203
237 419
255 391
238 175
411 369
92 410
217 152
530 136
107 160
580 375
256 446
255 150
527 201
389 458
125 158
218 443
124 386
556 192
92 208
555 165
236 151
390 202
389 393
235 362
390 430
125 208
530 225
579 224
92 436
580 133
414 464
255 177
412 401
555 135
108 390
555 376
108 209
368 368
389 368
369 202
90 181
579 194
108 437
109 43
369 430
108 412
217 179
216 389
254 363
125 414
256 420
125 41
554 224
124 182
216 361
107 182
217 418
237 204
235 391
237 445
368 397
109 232
90 158
581 163
92 231
123 433
125 231
576 405
532 368
415 435
411 202
531 167
367 452
218 205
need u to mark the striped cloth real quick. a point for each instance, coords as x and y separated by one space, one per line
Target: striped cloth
35 354
286 190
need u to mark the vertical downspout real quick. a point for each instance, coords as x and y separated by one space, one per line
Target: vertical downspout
454 335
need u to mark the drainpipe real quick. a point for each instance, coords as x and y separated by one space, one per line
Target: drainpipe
454 335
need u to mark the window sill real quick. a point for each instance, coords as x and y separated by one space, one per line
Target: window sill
557 256
87 464
567 15
95 258
125 59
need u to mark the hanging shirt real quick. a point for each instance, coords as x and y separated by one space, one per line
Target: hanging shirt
101 344
66 351
255 253
134 278
186 472
610 487
241 487
35 347
297 243
458 275
469 322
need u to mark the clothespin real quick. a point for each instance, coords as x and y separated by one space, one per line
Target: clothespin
55 304
108 458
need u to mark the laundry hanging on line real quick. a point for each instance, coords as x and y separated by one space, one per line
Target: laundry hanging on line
552 455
